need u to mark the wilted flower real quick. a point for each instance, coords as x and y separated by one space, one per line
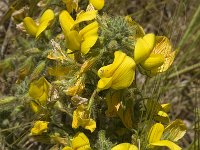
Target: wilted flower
81 118
154 54
118 75
39 127
79 142
76 89
117 108
36 29
176 130
98 4
85 38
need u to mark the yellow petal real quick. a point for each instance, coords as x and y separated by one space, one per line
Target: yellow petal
73 40
45 20
88 42
125 146
66 21
166 143
80 140
98 4
88 28
153 61
81 118
47 16
39 127
70 54
162 117
67 148
123 81
39 90
175 130
30 26
86 16
41 28
164 47
144 47
107 71
124 75
155 133
166 107
104 83
91 125
35 107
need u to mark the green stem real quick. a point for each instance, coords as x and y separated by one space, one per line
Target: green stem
195 66
190 27
91 101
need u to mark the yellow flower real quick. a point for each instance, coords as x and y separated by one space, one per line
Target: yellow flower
156 133
125 146
36 29
118 75
81 118
98 4
159 111
39 90
144 47
81 40
39 128
79 142
154 54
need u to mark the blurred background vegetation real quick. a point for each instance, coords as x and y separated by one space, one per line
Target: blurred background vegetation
177 19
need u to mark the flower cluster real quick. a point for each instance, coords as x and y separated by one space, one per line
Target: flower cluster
85 79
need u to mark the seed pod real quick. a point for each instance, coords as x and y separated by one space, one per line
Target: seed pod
32 51
25 69
6 65
37 71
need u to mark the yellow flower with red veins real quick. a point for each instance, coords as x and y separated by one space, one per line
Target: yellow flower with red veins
35 29
81 40
39 128
118 75
154 54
